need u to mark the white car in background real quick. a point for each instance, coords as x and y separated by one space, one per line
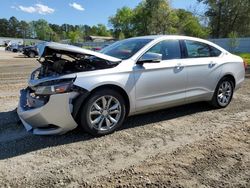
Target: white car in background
97 90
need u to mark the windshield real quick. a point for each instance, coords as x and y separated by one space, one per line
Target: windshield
126 48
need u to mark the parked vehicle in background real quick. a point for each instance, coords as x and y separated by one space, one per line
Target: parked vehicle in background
14 47
100 48
97 90
20 48
96 49
30 51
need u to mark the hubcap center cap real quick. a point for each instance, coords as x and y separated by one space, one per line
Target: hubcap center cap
224 92
105 112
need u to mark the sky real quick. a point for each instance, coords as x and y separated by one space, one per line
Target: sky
75 12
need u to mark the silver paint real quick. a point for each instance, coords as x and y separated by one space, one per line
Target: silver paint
149 87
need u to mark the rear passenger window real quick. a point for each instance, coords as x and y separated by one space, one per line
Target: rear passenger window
198 49
215 52
168 49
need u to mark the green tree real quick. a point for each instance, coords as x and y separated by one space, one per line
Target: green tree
149 17
74 36
102 30
189 25
228 16
32 30
58 32
23 30
122 22
43 30
67 28
86 30
4 27
13 27
155 17
55 37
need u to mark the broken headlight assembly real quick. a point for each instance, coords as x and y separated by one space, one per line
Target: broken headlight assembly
51 89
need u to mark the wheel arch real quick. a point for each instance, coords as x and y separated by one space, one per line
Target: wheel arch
117 89
214 101
230 77
79 102
32 51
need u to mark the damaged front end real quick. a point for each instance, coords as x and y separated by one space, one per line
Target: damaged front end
46 106
47 115
58 59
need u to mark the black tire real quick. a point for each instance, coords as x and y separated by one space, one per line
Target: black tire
32 54
85 119
215 100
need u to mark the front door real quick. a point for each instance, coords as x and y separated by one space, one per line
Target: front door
162 83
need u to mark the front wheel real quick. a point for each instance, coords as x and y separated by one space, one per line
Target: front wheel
103 112
223 93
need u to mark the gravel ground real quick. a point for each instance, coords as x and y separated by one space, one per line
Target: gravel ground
188 146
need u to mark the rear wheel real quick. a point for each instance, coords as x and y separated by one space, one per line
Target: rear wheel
223 93
103 113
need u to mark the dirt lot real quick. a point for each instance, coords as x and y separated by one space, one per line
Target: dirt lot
187 146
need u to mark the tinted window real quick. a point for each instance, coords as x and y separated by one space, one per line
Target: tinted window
169 49
215 52
126 48
198 49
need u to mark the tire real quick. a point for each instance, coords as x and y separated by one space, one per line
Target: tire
31 54
103 112
223 93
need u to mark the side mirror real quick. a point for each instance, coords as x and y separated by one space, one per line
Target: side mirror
150 57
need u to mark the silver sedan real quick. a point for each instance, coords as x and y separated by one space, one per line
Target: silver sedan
98 90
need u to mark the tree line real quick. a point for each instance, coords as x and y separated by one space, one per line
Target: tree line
225 18
228 17
43 30
156 17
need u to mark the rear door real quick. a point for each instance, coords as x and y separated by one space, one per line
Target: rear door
203 69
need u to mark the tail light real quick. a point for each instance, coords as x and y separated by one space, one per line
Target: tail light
245 64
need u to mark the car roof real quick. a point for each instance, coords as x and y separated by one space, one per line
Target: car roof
153 37
179 37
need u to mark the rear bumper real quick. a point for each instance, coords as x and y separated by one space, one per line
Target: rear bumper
54 117
240 77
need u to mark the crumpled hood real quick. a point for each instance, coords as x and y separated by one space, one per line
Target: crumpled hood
64 47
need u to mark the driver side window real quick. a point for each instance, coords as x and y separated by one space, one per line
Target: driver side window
168 49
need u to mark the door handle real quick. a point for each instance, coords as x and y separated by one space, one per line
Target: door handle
211 64
179 66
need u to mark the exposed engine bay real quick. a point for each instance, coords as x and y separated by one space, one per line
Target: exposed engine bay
58 62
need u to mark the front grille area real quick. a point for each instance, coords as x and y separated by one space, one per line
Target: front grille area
28 99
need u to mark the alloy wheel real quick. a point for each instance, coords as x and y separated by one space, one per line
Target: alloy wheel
105 113
224 94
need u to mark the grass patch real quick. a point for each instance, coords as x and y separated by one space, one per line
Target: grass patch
245 56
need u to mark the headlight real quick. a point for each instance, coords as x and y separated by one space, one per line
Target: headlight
54 89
